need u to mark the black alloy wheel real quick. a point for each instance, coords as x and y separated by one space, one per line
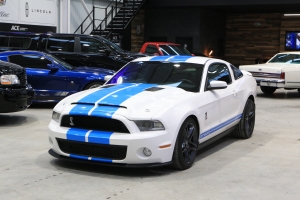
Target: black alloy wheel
185 150
245 127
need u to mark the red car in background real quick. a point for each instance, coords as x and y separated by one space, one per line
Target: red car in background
164 49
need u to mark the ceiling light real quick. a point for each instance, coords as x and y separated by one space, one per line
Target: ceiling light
287 15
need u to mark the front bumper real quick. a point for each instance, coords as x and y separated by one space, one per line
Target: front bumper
55 155
278 83
14 100
134 143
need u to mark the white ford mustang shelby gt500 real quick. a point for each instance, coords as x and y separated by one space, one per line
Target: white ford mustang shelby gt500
155 111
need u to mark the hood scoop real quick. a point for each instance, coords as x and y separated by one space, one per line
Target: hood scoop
92 104
154 89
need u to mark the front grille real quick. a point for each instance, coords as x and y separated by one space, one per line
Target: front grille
94 123
115 152
22 77
265 75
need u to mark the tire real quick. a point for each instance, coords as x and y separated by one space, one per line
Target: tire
93 85
268 90
245 127
185 149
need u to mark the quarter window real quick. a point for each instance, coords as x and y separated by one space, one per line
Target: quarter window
91 45
30 61
219 72
63 44
236 72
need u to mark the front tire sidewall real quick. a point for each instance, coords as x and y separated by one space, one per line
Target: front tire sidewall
178 159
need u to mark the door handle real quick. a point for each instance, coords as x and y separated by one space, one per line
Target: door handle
234 93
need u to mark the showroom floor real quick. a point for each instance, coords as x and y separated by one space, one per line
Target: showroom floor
267 166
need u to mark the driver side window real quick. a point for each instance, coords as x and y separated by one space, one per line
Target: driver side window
219 72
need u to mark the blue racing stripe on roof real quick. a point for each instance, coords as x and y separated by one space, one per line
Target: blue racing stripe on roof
171 58
160 58
76 134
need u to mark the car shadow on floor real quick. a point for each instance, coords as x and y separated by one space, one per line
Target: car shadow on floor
42 105
7 120
97 170
281 94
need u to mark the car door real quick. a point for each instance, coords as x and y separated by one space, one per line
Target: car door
62 47
228 98
49 85
93 53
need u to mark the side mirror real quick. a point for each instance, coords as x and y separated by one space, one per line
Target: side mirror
105 51
216 85
107 77
53 67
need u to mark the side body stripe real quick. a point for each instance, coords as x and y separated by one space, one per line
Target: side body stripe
220 126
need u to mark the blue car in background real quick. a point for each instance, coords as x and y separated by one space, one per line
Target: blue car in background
52 78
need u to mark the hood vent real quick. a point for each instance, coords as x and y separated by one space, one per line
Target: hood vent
93 104
154 89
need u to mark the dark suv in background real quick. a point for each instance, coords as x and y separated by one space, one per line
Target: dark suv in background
75 49
15 93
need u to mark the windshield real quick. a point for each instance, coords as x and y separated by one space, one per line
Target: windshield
182 75
174 50
58 61
286 58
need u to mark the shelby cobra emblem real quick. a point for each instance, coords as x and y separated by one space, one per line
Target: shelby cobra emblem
27 9
71 121
2 2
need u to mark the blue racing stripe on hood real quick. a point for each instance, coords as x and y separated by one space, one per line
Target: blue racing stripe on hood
116 99
171 58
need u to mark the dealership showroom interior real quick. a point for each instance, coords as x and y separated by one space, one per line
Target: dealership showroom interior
149 99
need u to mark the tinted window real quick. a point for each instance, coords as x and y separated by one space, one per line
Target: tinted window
151 49
19 42
286 58
64 44
4 43
91 45
218 72
182 75
236 72
30 61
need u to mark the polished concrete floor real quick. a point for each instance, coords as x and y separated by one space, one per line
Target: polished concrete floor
266 166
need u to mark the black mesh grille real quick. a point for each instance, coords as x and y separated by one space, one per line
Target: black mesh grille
94 123
22 77
115 152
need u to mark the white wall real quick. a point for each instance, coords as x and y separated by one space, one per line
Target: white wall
77 13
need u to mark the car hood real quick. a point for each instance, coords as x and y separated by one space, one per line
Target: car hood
94 70
133 101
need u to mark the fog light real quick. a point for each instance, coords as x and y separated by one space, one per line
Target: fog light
50 140
147 152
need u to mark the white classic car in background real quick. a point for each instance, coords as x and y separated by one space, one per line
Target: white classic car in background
155 111
281 71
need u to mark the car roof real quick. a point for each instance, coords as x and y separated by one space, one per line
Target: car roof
162 43
7 53
187 59
290 52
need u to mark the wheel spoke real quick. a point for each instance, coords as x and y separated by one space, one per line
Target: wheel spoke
251 115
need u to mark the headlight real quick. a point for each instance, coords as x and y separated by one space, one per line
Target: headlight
9 80
148 125
55 116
